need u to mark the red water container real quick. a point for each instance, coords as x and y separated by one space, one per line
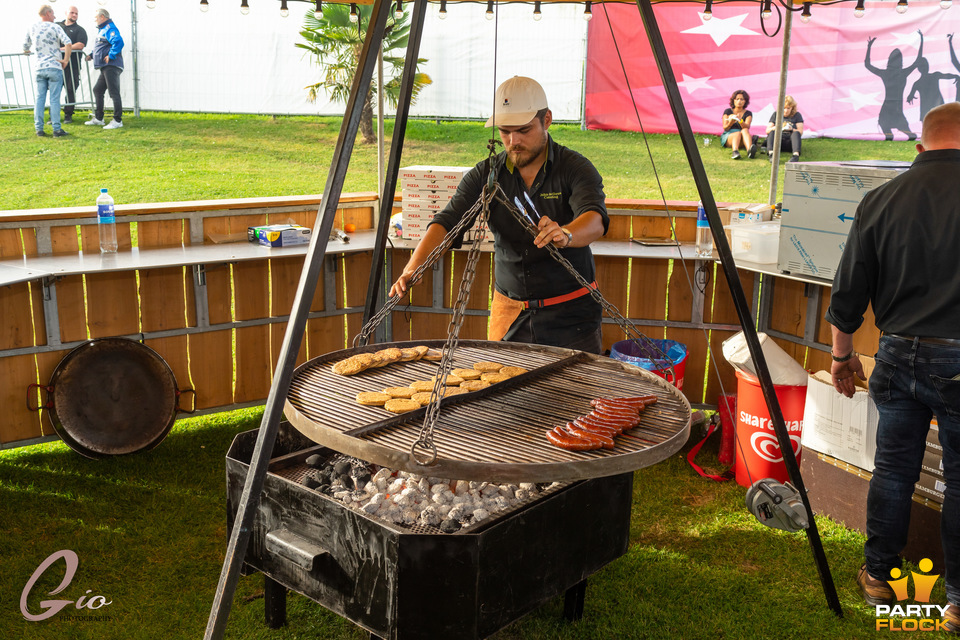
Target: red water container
757 449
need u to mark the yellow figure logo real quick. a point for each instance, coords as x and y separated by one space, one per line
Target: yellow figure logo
922 584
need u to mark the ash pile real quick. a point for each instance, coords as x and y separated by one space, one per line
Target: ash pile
409 499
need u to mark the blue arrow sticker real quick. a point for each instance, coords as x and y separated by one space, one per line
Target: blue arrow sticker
843 217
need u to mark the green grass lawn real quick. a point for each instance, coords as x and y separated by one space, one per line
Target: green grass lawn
149 529
168 157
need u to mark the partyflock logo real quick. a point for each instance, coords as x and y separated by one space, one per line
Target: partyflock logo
53 607
912 617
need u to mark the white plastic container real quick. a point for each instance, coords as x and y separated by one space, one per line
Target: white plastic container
756 242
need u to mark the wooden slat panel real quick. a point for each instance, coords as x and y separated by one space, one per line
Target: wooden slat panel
64 239
723 310
211 367
681 300
695 363
728 376
612 282
356 270
276 341
285 273
648 286
824 332
354 324
253 363
325 335
17 329
19 423
72 308
474 328
480 289
174 352
788 314
163 299
362 217
430 325
219 296
647 227
112 305
251 291
11 245
90 237
231 228
305 218
619 228
160 233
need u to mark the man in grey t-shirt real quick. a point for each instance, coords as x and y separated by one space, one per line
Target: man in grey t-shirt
48 38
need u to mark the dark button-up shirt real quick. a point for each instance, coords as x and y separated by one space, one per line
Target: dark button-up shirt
901 253
567 186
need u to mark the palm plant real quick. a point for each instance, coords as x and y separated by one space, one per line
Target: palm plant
336 42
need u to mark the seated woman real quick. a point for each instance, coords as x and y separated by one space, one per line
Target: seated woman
736 126
792 130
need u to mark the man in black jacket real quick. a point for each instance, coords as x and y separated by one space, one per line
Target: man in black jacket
71 74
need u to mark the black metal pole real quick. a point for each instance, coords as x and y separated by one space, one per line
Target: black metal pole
736 290
396 148
312 269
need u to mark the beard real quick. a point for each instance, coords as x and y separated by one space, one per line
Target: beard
522 156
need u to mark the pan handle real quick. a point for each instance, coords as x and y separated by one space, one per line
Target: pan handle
46 405
193 409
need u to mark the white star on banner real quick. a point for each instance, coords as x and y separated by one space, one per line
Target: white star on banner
722 28
860 100
692 84
911 39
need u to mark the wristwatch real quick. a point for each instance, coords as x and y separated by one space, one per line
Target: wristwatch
569 235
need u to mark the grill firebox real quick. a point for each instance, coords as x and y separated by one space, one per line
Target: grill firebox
411 582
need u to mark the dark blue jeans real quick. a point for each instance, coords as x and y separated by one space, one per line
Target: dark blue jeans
912 382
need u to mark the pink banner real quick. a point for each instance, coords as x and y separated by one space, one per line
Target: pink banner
839 91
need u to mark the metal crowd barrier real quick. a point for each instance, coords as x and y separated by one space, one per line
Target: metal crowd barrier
18 85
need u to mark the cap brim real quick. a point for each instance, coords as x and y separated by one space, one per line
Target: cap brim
511 119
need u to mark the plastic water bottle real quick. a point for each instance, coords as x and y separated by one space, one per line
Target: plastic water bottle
108 223
704 235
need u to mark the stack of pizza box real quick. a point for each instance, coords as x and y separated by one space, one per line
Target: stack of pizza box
426 191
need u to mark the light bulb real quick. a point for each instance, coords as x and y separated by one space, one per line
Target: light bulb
244 7
587 11
858 12
353 12
805 14
284 12
318 12
946 4
443 9
151 4
902 6
708 10
766 12
536 10
398 12
489 14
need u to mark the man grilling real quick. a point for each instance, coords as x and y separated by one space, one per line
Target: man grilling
535 299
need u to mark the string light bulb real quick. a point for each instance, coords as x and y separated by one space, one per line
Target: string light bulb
536 10
805 14
858 12
946 4
708 10
284 12
766 12
244 7
443 9
901 6
588 11
204 6
318 11
398 12
151 4
354 16
489 14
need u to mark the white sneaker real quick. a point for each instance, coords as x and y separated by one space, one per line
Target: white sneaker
114 124
93 120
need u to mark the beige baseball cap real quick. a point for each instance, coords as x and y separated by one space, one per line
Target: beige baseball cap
517 102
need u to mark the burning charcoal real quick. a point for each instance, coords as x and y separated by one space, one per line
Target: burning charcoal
501 503
377 499
522 494
443 510
424 486
347 481
475 485
508 491
430 517
342 467
458 512
383 474
462 487
324 488
443 497
462 499
490 491
450 526
370 488
370 508
396 486
343 496
310 482
439 488
410 516
323 475
405 500
363 478
314 461
529 487
480 515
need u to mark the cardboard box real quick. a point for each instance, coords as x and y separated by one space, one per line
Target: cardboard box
933 463
426 173
840 427
279 235
931 487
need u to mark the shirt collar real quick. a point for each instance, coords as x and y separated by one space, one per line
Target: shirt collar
937 154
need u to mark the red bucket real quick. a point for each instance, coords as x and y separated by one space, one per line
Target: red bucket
757 448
